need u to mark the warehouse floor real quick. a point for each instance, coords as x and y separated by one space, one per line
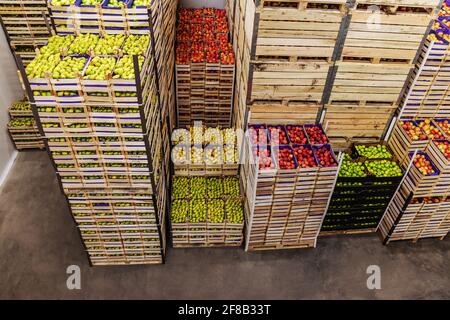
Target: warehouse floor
38 241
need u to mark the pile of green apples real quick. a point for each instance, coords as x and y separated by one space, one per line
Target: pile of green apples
51 125
125 67
102 109
374 152
21 106
21 122
109 44
69 68
384 168
136 44
56 44
197 211
231 187
197 186
235 211
180 188
116 3
213 136
215 188
62 2
349 168
90 2
73 110
100 68
83 43
42 93
42 65
141 3
216 213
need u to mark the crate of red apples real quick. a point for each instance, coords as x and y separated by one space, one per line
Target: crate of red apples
202 37
291 147
423 176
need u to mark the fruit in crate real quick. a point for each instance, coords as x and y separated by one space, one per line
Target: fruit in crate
215 187
213 155
21 106
285 158
197 211
21 122
90 2
216 211
69 68
325 156
56 44
213 136
430 130
136 44
197 135
305 157
277 135
116 3
444 146
384 168
231 187
141 3
413 131
351 169
258 135
62 2
197 56
83 43
227 57
230 154
229 136
42 65
197 155
179 211
297 135
445 126
316 135
234 211
100 68
180 155
197 187
180 187
373 152
265 159
423 164
109 44
181 136
125 67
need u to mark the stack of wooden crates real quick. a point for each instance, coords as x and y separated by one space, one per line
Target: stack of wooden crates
343 63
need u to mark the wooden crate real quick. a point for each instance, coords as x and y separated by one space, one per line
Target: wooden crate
379 34
285 208
347 123
427 92
291 113
361 81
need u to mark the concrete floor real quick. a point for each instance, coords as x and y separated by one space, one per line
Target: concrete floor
38 241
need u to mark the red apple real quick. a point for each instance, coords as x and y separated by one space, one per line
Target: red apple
285 158
297 135
305 157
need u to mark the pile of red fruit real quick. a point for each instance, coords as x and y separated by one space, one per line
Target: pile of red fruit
414 131
277 135
445 126
285 157
316 135
325 156
305 157
258 135
265 159
430 130
202 36
423 164
297 135
444 146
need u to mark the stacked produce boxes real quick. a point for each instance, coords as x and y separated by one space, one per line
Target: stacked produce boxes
98 103
368 178
288 174
420 138
22 127
26 24
204 67
343 63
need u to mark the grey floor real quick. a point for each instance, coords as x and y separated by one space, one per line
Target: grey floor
38 241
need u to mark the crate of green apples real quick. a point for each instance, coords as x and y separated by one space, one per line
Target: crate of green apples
206 211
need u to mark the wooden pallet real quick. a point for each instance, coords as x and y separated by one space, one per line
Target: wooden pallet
290 113
346 232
